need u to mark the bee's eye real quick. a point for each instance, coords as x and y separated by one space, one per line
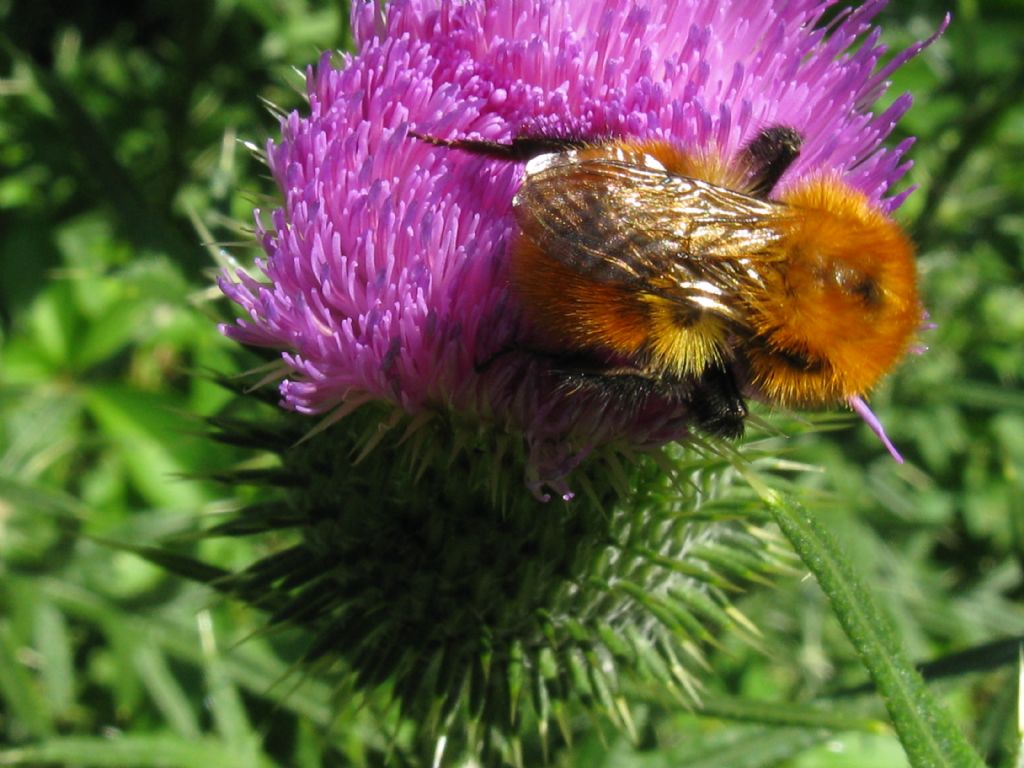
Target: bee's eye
852 282
868 292
863 287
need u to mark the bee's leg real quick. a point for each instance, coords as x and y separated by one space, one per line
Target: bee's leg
713 400
521 149
768 156
717 405
627 389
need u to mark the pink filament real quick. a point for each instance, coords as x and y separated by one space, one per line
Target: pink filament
861 409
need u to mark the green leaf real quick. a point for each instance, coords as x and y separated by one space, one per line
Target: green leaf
824 714
151 664
111 179
55 326
225 704
57 669
154 442
738 748
149 751
251 669
20 693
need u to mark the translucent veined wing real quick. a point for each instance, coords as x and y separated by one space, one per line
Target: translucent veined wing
617 216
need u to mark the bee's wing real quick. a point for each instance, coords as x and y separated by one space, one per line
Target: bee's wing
681 238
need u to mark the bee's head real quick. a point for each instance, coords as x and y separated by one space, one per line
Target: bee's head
839 307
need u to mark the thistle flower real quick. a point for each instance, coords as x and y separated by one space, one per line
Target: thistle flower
385 287
387 265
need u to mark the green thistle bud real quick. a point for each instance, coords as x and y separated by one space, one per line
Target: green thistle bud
423 569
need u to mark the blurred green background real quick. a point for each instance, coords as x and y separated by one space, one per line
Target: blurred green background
125 177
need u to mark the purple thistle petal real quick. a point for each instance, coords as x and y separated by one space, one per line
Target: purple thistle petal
860 407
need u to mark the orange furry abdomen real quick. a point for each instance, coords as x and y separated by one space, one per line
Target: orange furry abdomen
569 311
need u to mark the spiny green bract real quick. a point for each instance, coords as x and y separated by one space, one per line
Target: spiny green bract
423 569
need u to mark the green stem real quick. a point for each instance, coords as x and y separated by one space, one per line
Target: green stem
928 733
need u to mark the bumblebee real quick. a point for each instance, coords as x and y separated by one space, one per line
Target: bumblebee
649 268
